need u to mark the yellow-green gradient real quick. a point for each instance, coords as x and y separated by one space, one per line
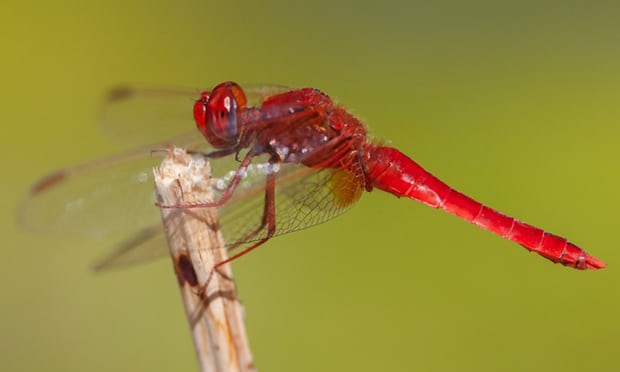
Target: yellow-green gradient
516 103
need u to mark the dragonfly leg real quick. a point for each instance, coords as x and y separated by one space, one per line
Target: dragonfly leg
228 192
268 219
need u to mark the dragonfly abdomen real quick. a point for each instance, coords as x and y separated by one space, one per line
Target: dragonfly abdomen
392 171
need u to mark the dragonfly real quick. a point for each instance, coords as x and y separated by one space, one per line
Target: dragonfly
283 159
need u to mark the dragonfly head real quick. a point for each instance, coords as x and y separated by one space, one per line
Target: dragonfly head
216 114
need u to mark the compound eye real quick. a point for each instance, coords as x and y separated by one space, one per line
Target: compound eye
216 114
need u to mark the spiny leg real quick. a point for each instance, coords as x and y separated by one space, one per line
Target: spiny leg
268 219
228 192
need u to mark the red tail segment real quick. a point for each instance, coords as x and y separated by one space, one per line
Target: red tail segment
390 170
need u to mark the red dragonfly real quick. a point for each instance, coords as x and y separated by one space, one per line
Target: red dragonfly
284 159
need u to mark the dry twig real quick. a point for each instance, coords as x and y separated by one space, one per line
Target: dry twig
216 322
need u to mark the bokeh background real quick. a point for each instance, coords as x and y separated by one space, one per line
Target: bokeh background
516 103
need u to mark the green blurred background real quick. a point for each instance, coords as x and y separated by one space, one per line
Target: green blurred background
516 103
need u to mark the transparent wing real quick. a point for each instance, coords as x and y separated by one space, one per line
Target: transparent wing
142 246
111 197
140 115
304 197
102 198
115 197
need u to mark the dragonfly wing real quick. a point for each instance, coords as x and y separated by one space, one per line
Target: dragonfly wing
145 245
96 199
101 198
304 197
141 114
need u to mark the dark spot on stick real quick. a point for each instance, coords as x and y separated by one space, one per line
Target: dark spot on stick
185 271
